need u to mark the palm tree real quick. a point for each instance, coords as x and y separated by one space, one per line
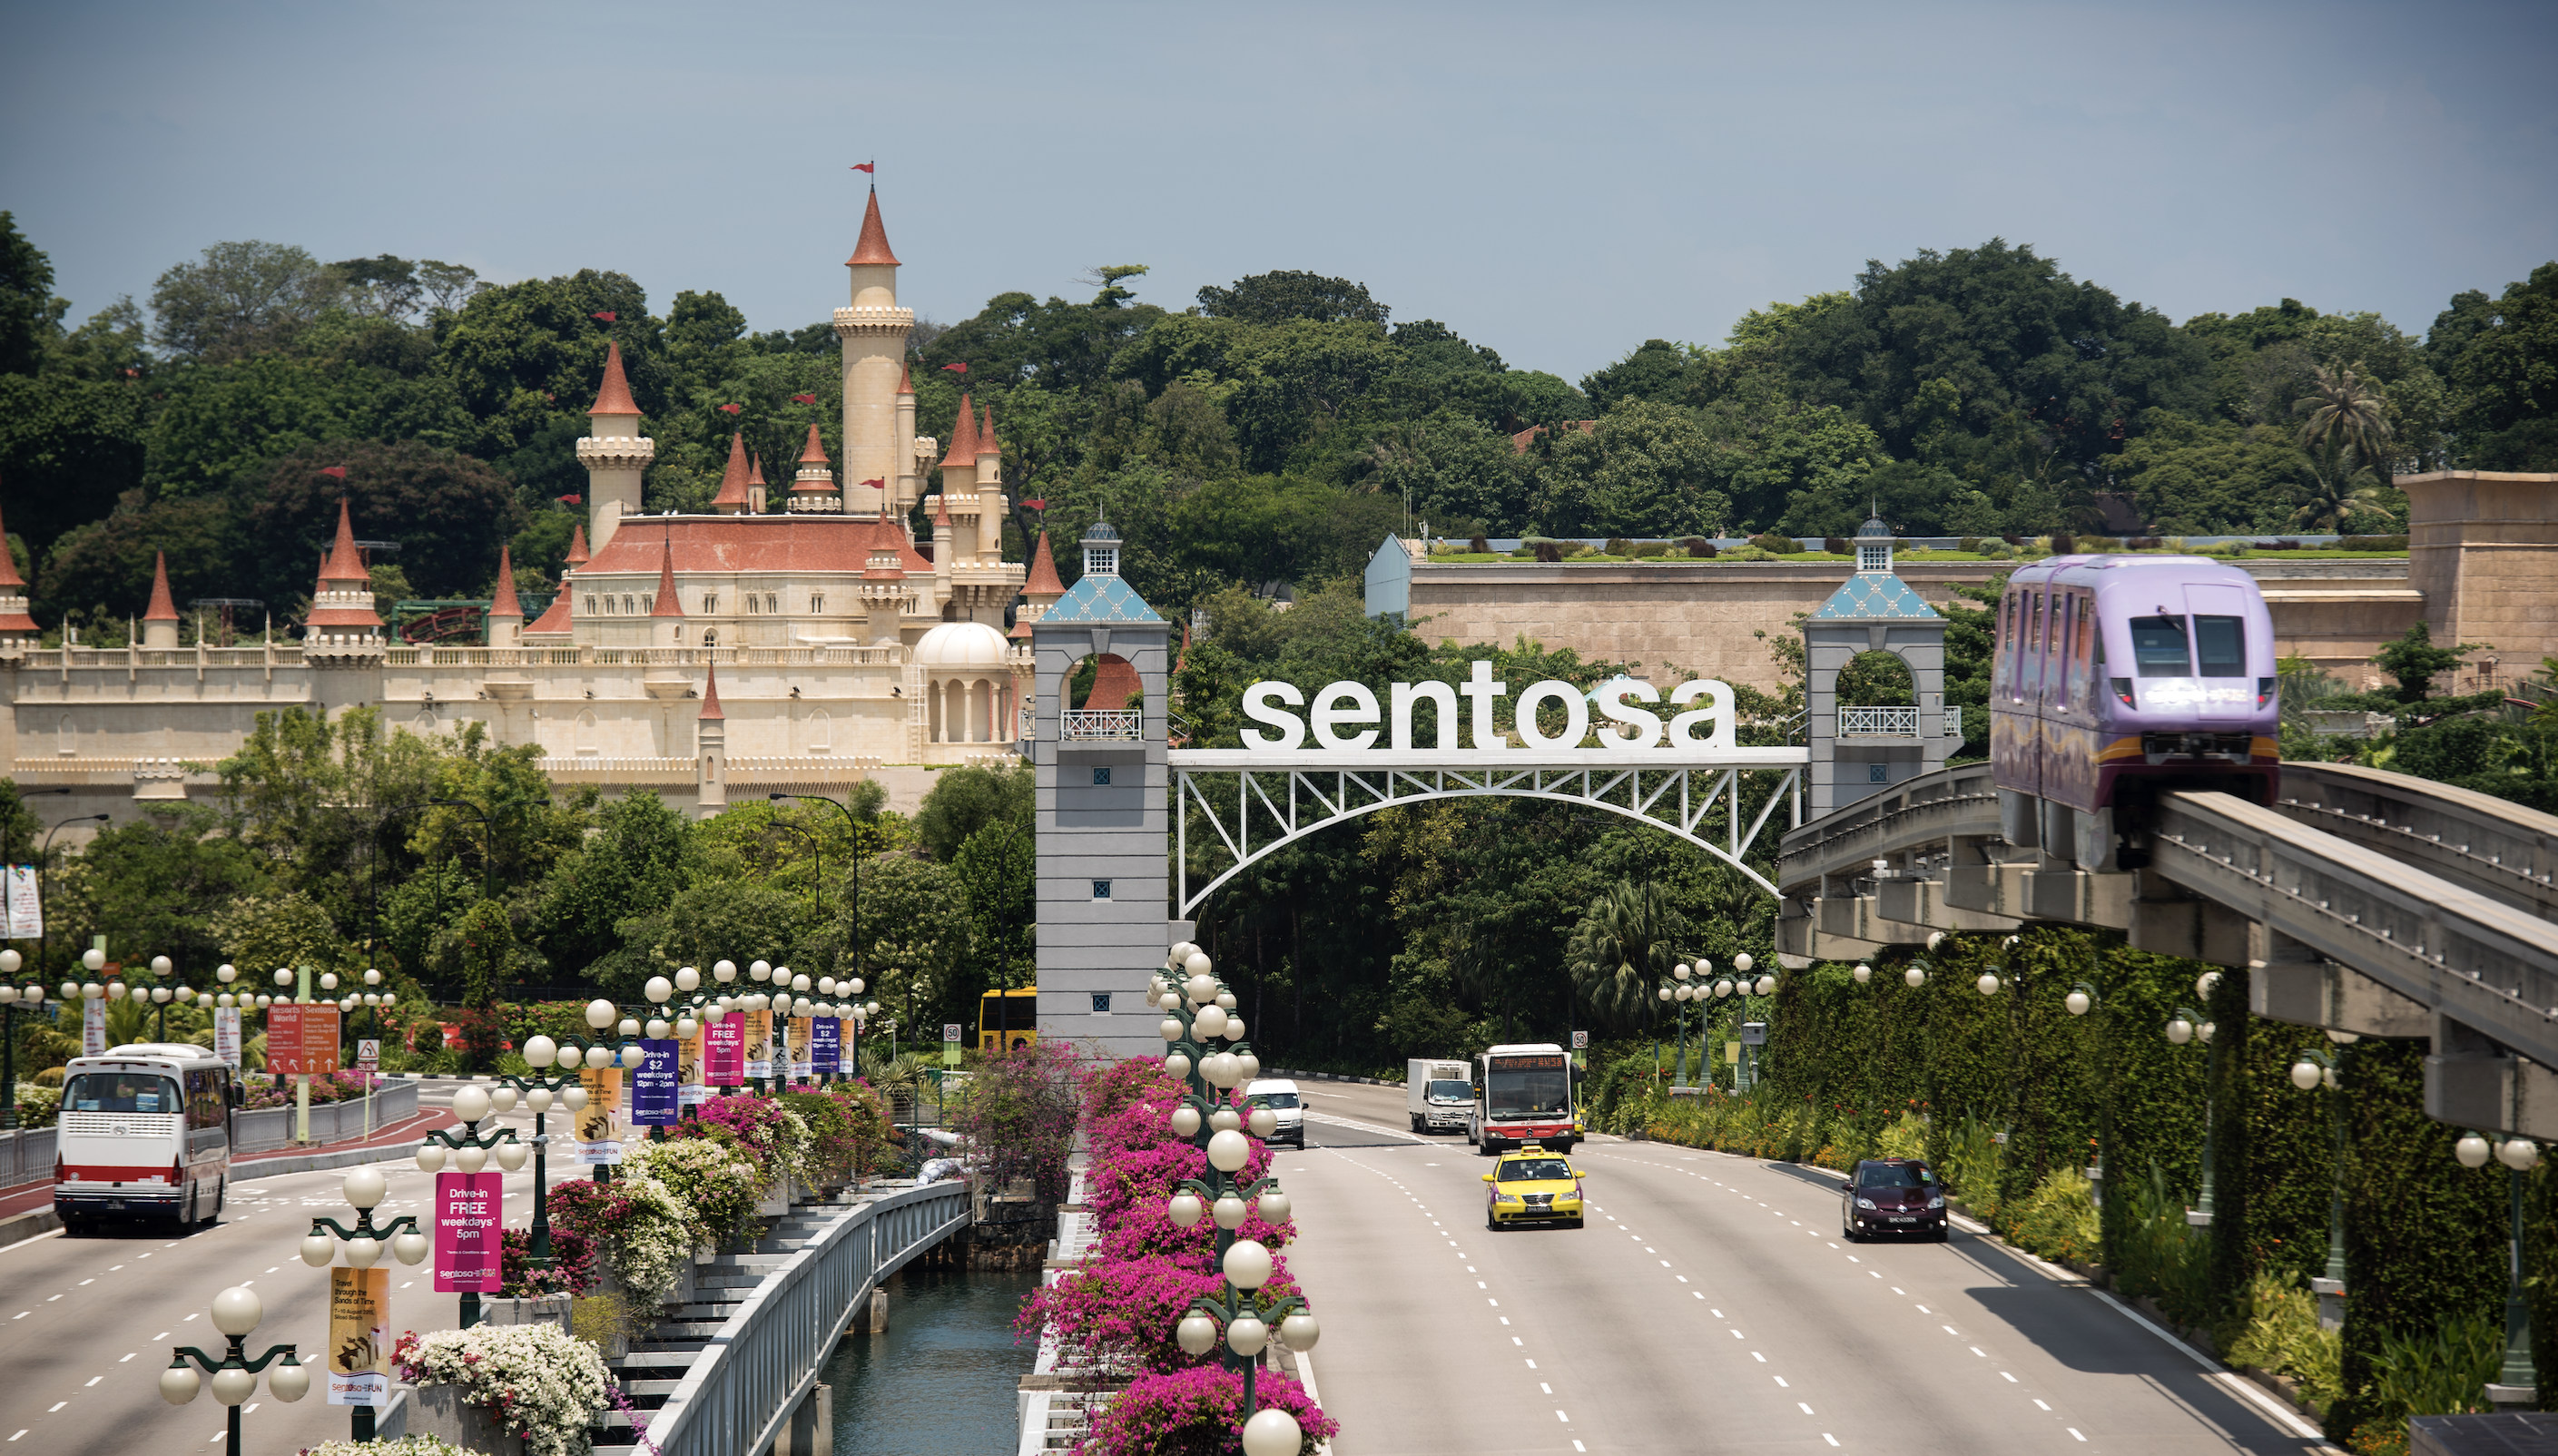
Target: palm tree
1621 951
2344 411
2334 497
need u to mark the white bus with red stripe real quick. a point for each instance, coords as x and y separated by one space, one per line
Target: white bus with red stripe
145 1132
1523 1094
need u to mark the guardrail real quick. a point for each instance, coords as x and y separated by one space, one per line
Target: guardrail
765 1357
26 1154
1878 722
1083 724
268 1128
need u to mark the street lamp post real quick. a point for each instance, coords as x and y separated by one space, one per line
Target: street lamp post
236 1312
1678 994
471 1150
13 995
2518 1382
44 866
2182 1026
2318 1067
363 1188
1739 987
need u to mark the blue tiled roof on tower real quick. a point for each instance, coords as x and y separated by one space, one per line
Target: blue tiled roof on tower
1874 596
1099 599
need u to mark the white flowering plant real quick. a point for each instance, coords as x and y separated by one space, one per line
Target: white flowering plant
714 1181
404 1446
640 1229
542 1384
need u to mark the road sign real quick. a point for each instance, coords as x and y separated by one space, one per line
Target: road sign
1581 1041
950 1031
302 1038
368 1055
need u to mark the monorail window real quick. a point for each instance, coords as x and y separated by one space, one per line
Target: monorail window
2221 644
2158 647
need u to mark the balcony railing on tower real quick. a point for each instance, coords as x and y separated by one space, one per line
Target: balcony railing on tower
1125 725
1878 722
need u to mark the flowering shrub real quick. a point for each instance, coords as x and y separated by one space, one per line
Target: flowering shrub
404 1446
336 1087
1119 1311
1112 1088
774 1134
571 1271
1196 1412
1019 1115
642 1233
710 1179
38 1106
541 1384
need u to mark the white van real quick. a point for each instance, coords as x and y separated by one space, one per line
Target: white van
145 1132
1281 1097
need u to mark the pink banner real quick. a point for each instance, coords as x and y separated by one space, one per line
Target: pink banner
724 1051
469 1215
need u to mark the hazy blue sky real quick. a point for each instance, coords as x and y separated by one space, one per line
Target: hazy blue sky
1559 181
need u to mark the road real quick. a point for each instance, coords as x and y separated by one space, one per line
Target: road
1710 1302
87 1324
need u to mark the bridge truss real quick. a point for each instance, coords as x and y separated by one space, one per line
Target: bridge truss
1250 804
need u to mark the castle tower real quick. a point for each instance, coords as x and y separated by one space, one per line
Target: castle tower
755 486
814 490
990 492
733 499
615 452
341 624
902 484
17 629
710 751
874 330
160 623
506 612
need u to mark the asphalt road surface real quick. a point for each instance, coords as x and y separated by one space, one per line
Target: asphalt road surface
1710 1304
87 1324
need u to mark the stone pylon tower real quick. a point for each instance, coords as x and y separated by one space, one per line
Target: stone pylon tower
1857 751
874 330
1102 779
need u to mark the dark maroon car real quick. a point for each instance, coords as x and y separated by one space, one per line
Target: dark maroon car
1891 1196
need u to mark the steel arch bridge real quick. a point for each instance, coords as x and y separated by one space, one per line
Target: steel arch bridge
1278 799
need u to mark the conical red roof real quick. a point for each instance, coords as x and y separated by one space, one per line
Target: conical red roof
905 379
732 490
815 454
505 603
163 606
344 562
963 437
614 396
577 546
8 564
987 444
710 697
873 247
1042 580
666 604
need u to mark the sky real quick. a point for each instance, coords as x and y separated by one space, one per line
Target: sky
1559 183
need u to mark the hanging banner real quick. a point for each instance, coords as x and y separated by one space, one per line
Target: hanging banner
827 1046
226 1034
724 1050
653 1086
804 1048
94 1027
26 910
601 1120
360 1337
690 1089
470 1217
758 1044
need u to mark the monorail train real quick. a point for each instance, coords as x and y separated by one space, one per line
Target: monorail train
2119 677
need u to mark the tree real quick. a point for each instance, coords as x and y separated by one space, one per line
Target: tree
240 298
449 513
2500 359
520 354
1621 951
998 868
2335 498
2415 661
30 315
70 450
2343 410
969 798
1290 294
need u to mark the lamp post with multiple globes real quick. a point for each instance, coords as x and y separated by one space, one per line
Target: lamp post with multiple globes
2518 1380
2182 1026
1738 987
14 996
236 1312
471 1151
363 1188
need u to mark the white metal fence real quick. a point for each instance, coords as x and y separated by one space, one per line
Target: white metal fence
1878 722
1124 724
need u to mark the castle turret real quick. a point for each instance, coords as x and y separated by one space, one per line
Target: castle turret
506 612
959 479
731 499
667 609
874 330
17 629
614 452
342 620
814 490
710 750
160 622
755 486
902 483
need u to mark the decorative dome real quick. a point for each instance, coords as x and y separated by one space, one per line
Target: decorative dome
955 644
1874 527
1102 530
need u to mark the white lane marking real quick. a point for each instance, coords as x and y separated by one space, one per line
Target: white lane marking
1700 1294
94 1379
162 1335
2073 1430
84 1283
1780 1383
2047 1407
1515 1340
59 1404
1755 1354
1718 1314
1666 1263
1577 1447
2011 1380
190 1317
1833 1246
1851 1258
1736 1333
1543 1385
1976 1350
1479 1284
1494 1303
1531 1364
1826 1436
1950 1330
1922 1309
1682 1278
1505 1319
51 1298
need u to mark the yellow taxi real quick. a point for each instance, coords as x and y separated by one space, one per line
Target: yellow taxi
1531 1186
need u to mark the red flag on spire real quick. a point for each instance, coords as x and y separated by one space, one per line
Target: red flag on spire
869 167
803 398
878 484
956 369
1039 503
571 499
731 408
607 316
333 472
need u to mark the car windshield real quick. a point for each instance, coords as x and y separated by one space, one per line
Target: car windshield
1896 1174
1274 1099
2221 644
1528 1094
120 1091
2158 647
1534 1170
1450 1091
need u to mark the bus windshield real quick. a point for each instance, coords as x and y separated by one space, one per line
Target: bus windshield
121 1092
1527 1094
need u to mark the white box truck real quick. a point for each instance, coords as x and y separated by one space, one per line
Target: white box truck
1439 1095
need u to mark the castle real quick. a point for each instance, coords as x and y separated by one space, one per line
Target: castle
798 646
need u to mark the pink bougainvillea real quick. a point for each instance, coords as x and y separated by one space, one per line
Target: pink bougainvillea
1198 1412
1120 1312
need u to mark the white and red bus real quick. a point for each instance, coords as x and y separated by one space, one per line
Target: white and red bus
1523 1094
145 1132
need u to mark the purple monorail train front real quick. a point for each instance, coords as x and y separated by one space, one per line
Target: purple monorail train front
2119 677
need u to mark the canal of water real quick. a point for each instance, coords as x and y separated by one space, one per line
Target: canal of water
941 1381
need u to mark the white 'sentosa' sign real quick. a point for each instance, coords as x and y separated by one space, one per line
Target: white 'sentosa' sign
1345 715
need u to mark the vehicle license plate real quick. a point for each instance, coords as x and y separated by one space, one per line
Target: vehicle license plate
114 1204
1905 1221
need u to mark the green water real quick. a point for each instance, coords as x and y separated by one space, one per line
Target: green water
942 1380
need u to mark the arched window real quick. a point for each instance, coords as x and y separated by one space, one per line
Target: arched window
65 741
586 740
816 604
710 637
821 732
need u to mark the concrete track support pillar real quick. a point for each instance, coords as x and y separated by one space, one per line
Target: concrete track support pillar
2166 920
2292 982
810 1430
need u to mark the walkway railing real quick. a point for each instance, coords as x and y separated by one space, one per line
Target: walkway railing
1076 724
765 1357
1878 722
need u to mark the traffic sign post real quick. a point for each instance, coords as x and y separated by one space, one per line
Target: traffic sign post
950 1031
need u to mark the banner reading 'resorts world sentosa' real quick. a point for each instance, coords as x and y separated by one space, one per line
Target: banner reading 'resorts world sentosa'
1346 717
